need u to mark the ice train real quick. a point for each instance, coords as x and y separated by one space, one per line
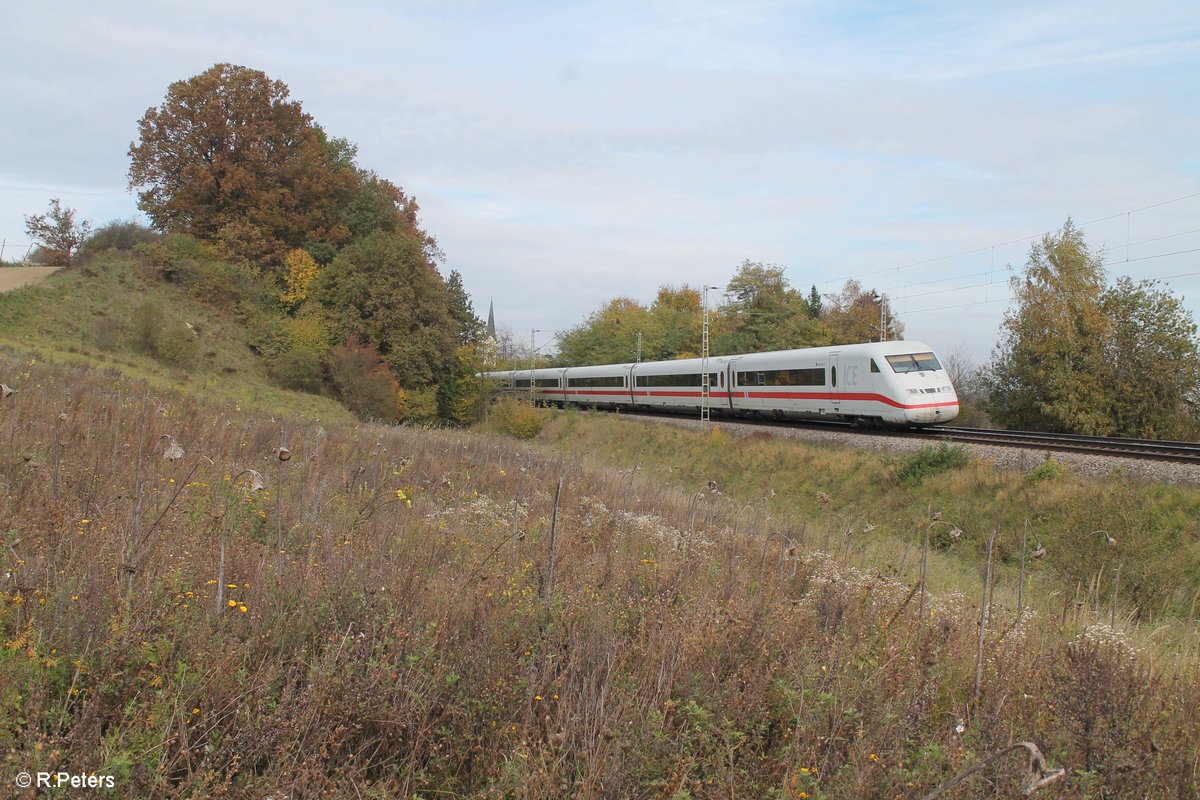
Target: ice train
894 384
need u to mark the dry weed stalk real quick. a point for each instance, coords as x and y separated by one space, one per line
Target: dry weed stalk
1035 775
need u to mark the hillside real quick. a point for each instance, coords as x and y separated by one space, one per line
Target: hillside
386 612
117 312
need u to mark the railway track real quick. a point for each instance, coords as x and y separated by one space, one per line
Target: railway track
1150 449
1145 449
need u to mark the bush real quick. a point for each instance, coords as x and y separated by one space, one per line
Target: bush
176 345
267 335
514 418
147 328
419 406
1046 471
931 461
298 369
365 384
309 329
119 235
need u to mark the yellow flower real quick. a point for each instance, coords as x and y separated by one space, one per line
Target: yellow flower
243 609
195 711
84 521
232 603
231 586
873 757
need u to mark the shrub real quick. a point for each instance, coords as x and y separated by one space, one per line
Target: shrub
119 235
298 369
365 384
267 334
309 329
419 406
147 328
931 461
1047 470
514 418
176 345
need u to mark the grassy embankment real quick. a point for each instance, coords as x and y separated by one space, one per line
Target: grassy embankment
115 312
398 613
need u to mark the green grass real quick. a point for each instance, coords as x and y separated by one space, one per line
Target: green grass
823 490
85 315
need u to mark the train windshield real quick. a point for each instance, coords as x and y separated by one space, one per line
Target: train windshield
914 362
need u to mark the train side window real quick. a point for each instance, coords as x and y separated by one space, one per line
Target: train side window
833 376
874 366
721 380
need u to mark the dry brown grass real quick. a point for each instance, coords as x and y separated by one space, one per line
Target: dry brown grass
16 277
378 620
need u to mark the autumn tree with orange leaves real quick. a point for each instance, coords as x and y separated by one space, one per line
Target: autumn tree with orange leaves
228 158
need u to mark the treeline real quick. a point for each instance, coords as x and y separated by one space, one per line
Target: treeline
325 260
759 310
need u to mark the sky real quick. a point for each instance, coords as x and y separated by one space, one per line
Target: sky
567 153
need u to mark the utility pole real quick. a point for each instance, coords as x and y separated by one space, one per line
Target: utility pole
532 350
883 327
638 358
705 388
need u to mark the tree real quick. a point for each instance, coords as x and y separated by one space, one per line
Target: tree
1048 371
461 398
608 336
468 328
57 233
674 325
763 312
1152 362
300 270
854 315
229 158
384 289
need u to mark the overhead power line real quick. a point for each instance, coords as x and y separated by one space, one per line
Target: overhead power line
992 247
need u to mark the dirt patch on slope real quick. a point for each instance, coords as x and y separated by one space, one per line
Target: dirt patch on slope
16 277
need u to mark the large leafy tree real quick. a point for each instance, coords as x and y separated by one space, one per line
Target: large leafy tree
674 329
854 314
1152 362
229 158
384 289
1048 371
608 336
763 312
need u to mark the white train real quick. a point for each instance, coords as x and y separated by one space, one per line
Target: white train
882 383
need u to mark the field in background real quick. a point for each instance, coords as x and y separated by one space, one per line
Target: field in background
388 612
16 277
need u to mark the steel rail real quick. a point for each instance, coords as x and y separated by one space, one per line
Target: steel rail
1145 449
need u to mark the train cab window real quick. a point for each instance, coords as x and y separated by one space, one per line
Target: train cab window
914 362
874 366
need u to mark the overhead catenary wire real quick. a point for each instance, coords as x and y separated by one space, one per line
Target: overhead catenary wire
1010 299
992 247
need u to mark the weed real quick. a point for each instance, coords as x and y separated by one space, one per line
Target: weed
929 461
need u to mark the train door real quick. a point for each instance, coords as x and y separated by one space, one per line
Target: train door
835 395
